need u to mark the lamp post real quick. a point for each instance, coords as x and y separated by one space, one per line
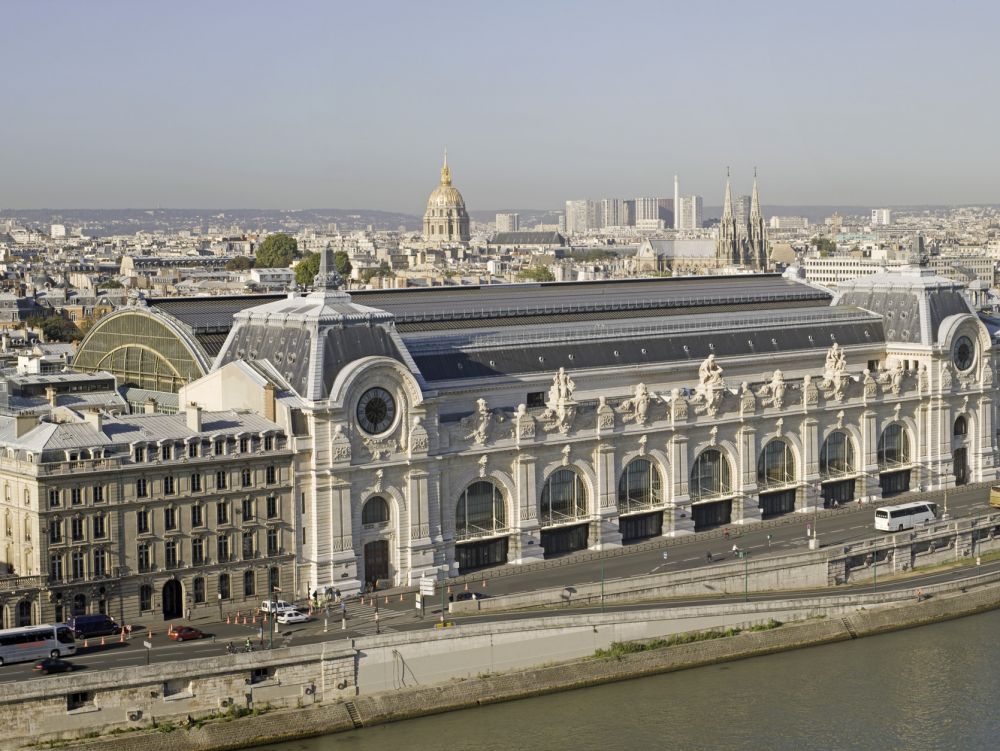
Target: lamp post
602 586
745 555
274 614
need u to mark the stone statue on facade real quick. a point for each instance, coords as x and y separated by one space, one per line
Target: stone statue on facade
870 385
922 381
605 414
835 373
748 402
774 392
477 425
678 406
710 374
560 409
638 406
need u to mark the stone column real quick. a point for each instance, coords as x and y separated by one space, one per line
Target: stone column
746 509
678 514
809 492
421 549
605 532
525 539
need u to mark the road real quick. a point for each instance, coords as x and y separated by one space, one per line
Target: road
846 525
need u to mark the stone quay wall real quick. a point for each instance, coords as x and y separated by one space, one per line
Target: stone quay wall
417 701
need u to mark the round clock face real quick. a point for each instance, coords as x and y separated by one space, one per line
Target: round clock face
965 353
376 411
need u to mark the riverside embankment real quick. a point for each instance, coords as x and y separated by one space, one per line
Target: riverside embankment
412 698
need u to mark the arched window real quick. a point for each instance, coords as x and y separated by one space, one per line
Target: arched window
640 486
836 458
199 589
961 426
480 511
893 447
146 597
710 476
776 465
224 586
564 498
375 511
249 584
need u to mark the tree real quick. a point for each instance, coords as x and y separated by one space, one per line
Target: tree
306 269
111 284
536 274
825 246
56 328
277 251
368 274
240 263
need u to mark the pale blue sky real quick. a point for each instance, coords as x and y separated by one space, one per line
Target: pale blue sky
349 104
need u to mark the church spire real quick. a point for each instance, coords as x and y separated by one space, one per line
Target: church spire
727 204
754 199
445 170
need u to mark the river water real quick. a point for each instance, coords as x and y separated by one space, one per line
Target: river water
935 687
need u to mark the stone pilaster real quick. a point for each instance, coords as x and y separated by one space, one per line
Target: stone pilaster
605 532
526 538
677 519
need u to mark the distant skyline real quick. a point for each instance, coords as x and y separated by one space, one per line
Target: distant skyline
350 105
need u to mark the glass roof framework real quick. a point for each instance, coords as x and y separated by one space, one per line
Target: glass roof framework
144 349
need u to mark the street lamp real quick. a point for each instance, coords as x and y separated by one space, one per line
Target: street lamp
274 614
745 555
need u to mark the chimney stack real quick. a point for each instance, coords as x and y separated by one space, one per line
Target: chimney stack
193 415
95 419
50 394
269 402
150 406
24 423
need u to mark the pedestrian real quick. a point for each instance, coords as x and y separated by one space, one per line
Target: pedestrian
736 549
260 635
343 609
708 556
769 540
336 595
725 533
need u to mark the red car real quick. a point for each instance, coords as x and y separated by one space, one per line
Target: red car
186 633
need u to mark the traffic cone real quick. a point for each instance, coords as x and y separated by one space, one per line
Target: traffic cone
484 584
244 620
227 619
121 638
467 586
150 634
85 644
254 621
387 599
102 642
400 596
449 589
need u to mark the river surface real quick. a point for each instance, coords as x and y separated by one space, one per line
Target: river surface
935 687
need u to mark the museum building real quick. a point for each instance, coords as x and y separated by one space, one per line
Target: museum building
451 429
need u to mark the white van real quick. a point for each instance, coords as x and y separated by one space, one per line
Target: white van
905 516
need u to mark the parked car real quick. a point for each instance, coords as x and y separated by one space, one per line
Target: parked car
461 596
88 626
186 633
54 665
292 616
276 606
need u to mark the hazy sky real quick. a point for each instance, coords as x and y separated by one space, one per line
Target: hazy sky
350 104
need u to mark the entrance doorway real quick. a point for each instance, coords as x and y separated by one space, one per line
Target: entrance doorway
778 503
565 539
713 514
961 466
480 554
641 526
376 561
173 606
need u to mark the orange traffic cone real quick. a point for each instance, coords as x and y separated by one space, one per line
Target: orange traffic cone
85 644
102 642
484 584
244 620
150 634
467 586
227 619
254 621
400 596
387 599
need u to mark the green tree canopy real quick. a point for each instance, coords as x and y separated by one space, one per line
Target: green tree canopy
368 274
56 328
308 267
825 246
536 274
240 263
277 251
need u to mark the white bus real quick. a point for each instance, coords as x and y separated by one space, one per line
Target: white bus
36 642
905 516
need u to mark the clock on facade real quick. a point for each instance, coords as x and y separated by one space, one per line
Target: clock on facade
964 353
376 411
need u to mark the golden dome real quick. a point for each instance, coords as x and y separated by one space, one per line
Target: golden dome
445 195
